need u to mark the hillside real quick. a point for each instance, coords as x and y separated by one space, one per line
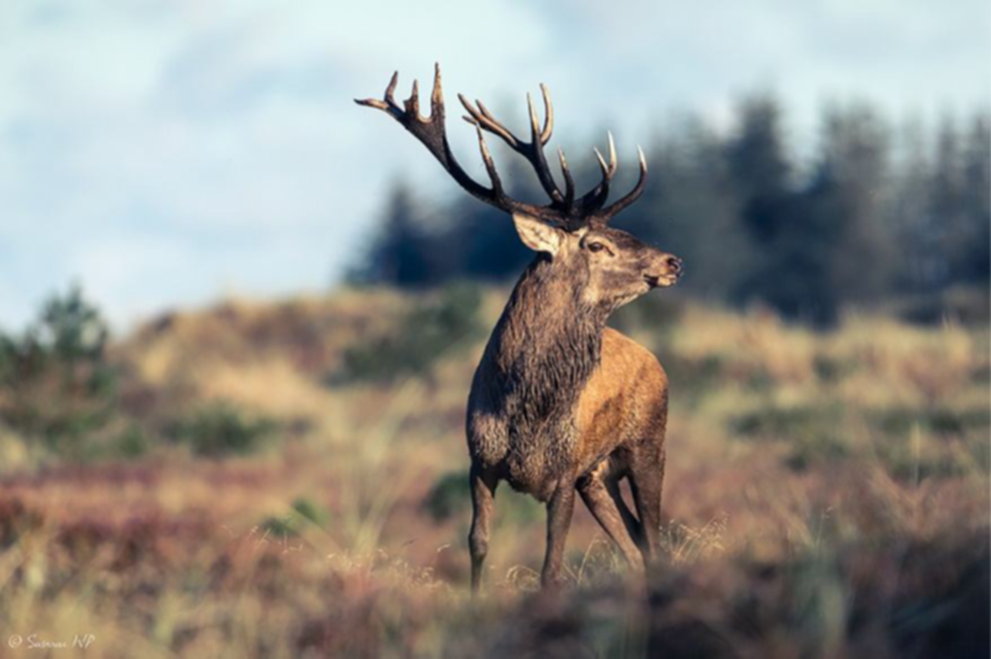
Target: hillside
289 479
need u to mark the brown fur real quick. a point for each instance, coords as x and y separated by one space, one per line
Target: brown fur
561 403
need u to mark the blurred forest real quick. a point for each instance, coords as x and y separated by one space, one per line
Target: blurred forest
894 218
287 478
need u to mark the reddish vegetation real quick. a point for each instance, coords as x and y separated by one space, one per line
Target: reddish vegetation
807 513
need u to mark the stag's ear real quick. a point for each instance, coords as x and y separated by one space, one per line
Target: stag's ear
537 235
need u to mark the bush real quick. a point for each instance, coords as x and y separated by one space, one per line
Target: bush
304 512
659 314
132 443
449 495
56 383
425 335
813 435
939 420
784 423
220 429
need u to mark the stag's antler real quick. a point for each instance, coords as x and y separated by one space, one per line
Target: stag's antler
533 150
564 210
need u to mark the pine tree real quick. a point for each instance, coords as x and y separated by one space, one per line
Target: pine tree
401 252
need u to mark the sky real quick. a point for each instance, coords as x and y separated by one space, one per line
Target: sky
169 153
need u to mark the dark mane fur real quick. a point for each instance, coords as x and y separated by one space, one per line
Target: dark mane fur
545 346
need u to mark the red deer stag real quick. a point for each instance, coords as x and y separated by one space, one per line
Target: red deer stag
560 402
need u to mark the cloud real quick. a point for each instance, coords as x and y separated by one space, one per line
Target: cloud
165 151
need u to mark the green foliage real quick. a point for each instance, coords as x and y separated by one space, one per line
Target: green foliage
940 420
132 443
56 384
8 359
311 511
776 422
220 429
910 442
850 225
813 435
303 513
830 370
436 329
518 509
808 451
657 315
449 496
401 252
71 329
694 377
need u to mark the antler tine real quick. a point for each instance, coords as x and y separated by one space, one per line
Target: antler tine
613 209
489 162
482 117
437 96
538 159
431 133
606 171
569 182
613 163
564 210
388 104
596 197
535 134
545 135
413 102
533 150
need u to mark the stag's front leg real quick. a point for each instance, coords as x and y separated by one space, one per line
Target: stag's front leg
559 511
483 487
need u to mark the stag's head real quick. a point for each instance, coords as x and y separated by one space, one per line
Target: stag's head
612 266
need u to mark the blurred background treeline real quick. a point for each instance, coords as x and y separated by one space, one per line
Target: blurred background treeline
869 214
287 477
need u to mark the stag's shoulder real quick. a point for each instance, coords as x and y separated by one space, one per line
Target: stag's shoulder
625 397
622 357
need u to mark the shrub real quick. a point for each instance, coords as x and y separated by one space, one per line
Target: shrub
940 420
812 434
311 511
449 495
695 378
777 423
658 314
304 512
427 333
132 443
220 429
56 383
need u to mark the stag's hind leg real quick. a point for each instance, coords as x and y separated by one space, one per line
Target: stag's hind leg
595 489
646 483
633 525
483 486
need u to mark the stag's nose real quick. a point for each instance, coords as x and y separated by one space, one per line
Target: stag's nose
665 270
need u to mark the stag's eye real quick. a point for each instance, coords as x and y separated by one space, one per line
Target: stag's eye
596 247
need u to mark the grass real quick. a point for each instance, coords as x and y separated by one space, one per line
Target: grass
221 429
826 495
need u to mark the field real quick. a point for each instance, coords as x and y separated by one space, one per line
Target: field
288 479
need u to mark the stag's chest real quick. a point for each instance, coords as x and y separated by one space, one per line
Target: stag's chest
525 433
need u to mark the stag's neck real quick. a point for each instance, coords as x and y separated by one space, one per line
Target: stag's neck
548 341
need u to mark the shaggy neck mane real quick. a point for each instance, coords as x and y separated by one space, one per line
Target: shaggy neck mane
545 347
